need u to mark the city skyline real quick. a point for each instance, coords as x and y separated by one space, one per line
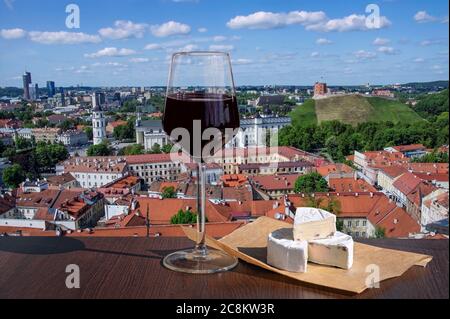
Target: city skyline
293 43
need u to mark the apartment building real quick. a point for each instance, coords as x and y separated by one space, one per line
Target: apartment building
94 172
154 167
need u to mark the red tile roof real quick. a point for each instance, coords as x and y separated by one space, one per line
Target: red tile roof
125 182
60 180
276 182
6 203
422 190
343 185
407 183
409 148
394 171
233 180
148 158
162 210
433 177
334 168
431 168
399 224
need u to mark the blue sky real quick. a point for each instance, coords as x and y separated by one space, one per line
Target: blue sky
128 42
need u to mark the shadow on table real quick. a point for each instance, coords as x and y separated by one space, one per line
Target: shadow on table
54 246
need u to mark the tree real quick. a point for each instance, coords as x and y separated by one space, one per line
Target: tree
89 132
435 157
169 192
167 149
48 155
156 149
184 218
22 143
13 176
311 183
125 132
66 125
340 225
102 149
380 233
135 149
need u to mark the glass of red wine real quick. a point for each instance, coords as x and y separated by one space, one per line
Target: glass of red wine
201 116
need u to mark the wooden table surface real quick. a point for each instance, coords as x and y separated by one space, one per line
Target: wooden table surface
131 268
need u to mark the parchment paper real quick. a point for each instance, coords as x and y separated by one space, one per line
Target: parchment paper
249 243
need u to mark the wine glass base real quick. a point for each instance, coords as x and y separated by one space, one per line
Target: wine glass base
188 261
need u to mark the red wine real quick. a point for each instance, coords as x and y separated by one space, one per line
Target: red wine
212 110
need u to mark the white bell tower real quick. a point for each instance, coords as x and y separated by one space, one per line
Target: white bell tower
98 122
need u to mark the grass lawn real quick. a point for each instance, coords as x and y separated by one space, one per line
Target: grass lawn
304 115
394 111
353 109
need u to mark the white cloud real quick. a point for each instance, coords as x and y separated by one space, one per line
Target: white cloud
10 34
352 22
242 61
427 43
139 60
314 21
202 30
387 50
188 48
323 41
170 28
153 46
219 38
83 69
123 30
381 41
438 69
419 60
63 37
113 64
424 17
364 55
221 47
270 20
111 52
315 55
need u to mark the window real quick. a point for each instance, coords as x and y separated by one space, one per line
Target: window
349 223
357 234
357 223
364 223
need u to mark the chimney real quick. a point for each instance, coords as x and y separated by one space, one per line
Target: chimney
371 195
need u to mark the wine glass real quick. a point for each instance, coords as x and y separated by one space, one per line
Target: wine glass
201 116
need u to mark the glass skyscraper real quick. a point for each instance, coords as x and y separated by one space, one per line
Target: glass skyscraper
51 90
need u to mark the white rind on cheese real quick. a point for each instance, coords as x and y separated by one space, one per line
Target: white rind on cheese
313 223
336 251
284 253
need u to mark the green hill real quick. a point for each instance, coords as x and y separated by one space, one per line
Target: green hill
353 109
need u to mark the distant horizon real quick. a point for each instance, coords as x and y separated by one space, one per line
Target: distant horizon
237 86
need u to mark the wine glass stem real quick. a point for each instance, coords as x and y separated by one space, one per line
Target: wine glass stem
200 248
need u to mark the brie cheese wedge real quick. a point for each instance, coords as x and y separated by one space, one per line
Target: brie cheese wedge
336 251
284 253
313 223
